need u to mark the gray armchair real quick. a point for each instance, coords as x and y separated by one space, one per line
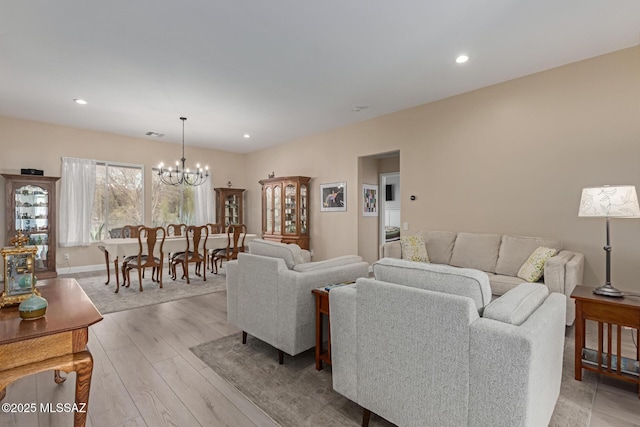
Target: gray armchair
269 292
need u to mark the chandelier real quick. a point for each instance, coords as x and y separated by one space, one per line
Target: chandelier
181 175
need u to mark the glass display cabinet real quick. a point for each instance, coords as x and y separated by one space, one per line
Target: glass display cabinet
31 210
285 210
229 204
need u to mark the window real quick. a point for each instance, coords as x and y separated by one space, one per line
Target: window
171 204
119 198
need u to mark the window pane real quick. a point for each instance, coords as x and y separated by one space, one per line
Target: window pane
119 198
167 202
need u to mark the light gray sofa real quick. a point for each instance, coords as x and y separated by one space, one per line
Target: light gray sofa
269 292
501 256
423 345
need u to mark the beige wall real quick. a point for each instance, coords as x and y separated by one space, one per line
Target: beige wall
29 144
510 158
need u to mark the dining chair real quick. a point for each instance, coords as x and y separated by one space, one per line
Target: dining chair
174 230
196 252
146 257
236 234
213 229
114 233
128 232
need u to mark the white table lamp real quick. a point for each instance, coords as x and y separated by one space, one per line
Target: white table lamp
609 201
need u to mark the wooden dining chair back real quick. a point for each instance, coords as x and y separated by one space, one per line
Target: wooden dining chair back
114 233
196 252
174 230
236 234
150 243
214 229
129 232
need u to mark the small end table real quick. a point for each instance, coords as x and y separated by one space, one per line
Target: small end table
617 312
322 307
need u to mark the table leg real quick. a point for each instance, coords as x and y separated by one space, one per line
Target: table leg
84 368
579 340
3 393
59 379
115 263
106 260
318 334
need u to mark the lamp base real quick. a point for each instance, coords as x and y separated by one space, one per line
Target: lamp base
608 291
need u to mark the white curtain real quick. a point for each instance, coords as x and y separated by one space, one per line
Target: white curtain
204 204
77 192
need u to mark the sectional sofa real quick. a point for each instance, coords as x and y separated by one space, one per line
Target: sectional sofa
501 257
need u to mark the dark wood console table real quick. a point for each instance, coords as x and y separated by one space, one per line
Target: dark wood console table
617 312
57 341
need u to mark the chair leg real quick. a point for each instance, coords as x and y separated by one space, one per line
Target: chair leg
160 273
244 337
366 415
106 260
140 270
280 357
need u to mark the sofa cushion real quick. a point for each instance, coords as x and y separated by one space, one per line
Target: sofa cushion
439 245
516 306
414 248
533 267
323 265
290 253
436 277
514 251
501 284
477 251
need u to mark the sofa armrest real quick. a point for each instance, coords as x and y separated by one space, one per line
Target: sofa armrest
344 362
306 255
391 250
562 273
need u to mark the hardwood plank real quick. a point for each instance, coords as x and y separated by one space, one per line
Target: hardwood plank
150 343
199 330
154 398
248 408
206 403
193 307
20 391
50 392
110 334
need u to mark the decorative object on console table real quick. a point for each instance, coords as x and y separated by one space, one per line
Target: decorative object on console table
285 210
229 206
619 201
31 209
19 266
333 197
370 200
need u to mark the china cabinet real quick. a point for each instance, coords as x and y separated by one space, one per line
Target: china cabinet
31 209
229 203
285 210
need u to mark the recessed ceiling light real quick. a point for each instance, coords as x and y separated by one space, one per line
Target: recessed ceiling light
359 108
462 59
246 135
156 134
80 101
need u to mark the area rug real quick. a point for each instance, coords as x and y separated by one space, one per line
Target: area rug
296 394
107 301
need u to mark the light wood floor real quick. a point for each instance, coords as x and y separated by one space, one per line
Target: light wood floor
145 375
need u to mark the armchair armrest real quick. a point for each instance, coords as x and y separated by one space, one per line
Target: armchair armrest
344 363
322 265
562 273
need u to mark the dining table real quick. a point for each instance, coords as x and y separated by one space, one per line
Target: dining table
119 248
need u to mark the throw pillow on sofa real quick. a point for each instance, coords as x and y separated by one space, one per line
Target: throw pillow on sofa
414 248
533 268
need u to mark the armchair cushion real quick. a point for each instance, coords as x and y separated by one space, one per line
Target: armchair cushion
290 253
322 265
436 277
515 306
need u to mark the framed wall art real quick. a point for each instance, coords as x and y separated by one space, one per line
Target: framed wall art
370 199
333 197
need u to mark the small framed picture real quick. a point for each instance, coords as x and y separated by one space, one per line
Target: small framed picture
333 197
370 199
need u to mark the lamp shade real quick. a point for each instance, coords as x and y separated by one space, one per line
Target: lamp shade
620 201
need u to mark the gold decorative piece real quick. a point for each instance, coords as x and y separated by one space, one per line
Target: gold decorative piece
19 277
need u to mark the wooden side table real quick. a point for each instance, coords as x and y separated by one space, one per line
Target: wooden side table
322 307
617 312
57 341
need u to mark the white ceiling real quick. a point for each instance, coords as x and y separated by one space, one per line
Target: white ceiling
279 69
